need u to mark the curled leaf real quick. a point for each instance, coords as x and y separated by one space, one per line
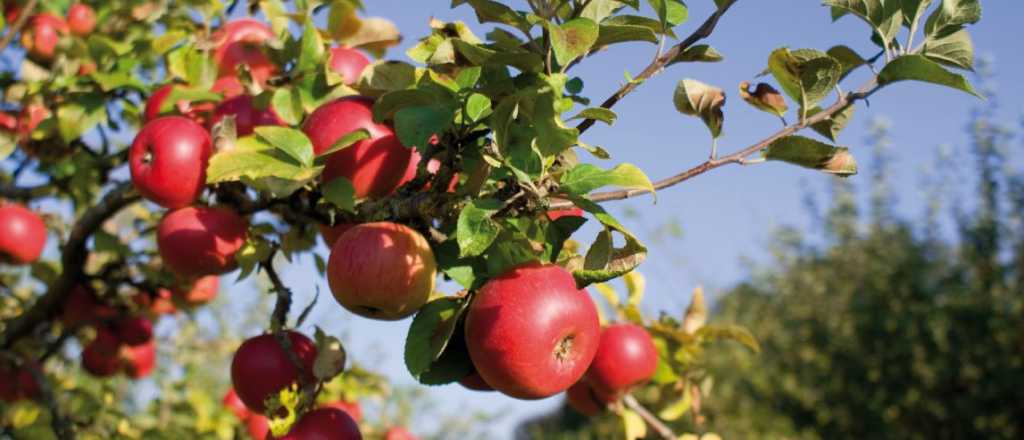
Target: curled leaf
697 313
764 98
695 98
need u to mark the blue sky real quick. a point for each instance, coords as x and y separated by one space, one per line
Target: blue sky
727 215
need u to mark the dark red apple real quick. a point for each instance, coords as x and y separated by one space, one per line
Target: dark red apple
399 433
247 116
100 357
626 357
41 36
586 400
22 234
135 330
81 19
200 292
381 270
353 409
258 427
83 307
325 423
475 382
261 368
198 241
12 10
349 63
138 361
331 234
375 166
237 407
168 161
239 42
18 383
530 332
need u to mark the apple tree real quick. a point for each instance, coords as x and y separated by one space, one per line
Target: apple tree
158 146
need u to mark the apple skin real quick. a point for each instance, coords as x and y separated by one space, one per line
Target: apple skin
100 357
41 36
353 409
199 241
475 382
160 303
247 116
12 10
331 234
258 427
399 433
626 357
81 19
237 407
586 400
229 86
18 383
349 63
138 361
202 291
82 307
261 367
381 270
135 330
530 332
8 122
237 43
22 234
324 423
375 166
168 160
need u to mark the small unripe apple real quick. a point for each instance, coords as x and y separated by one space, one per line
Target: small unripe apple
239 42
261 368
375 166
168 161
381 270
247 116
22 234
399 433
530 332
41 36
237 407
325 423
349 63
17 382
331 234
258 427
586 400
198 241
626 357
100 357
200 292
81 19
140 360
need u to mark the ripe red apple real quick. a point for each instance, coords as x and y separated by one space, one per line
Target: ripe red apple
375 166
475 382
381 270
41 36
100 356
626 357
331 234
198 241
237 407
325 423
229 86
261 368
168 161
258 427
18 383
247 116
238 43
8 122
156 304
399 433
135 330
138 361
349 63
22 234
353 409
83 307
81 19
200 292
586 400
12 10
530 332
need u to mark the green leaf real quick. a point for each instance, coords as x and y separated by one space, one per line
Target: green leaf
806 75
167 41
834 124
677 409
344 142
701 53
468 77
79 114
478 107
584 178
416 125
340 192
951 16
598 114
671 13
954 50
885 16
254 251
729 332
188 94
809 153
292 142
598 10
100 44
311 53
848 59
479 55
488 11
695 98
7 144
430 332
261 164
476 231
920 68
573 39
387 76
633 425
117 80
609 34
287 103
913 10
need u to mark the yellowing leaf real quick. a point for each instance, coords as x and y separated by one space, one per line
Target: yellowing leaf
634 425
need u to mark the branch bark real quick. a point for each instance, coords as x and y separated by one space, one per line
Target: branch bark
660 427
26 11
73 256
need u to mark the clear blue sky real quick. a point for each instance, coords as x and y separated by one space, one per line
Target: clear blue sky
728 214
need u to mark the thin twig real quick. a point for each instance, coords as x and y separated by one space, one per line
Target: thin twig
19 23
279 318
660 427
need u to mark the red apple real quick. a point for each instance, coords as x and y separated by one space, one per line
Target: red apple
530 332
41 36
238 43
325 423
375 166
626 357
81 19
168 161
351 408
229 86
156 304
586 400
12 10
349 63
135 330
83 307
399 433
233 403
18 382
87 67
139 361
247 116
29 118
198 241
100 357
22 234
475 382
381 270
331 234
258 427
261 368
202 291
8 122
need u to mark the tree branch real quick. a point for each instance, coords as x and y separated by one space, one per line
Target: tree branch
25 193
841 104
659 63
73 256
18 24
660 427
279 318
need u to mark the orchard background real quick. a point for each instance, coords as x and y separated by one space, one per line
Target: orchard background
722 216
